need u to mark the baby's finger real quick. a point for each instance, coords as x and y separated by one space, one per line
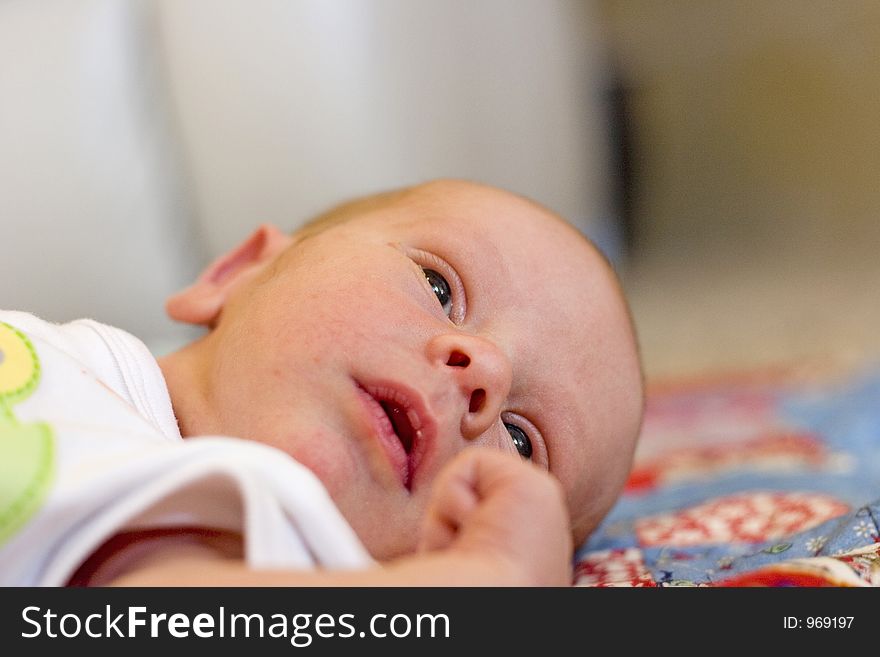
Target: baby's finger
452 500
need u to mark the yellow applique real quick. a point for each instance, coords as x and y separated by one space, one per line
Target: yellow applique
19 366
27 450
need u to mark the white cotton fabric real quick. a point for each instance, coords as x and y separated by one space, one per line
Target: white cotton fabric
121 464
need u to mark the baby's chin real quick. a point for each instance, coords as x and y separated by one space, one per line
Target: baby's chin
385 541
386 548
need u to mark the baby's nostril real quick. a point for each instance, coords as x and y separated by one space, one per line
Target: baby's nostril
478 397
458 359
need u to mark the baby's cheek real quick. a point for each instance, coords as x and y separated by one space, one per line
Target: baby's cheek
324 454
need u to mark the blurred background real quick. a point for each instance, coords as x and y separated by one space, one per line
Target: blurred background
725 155
755 160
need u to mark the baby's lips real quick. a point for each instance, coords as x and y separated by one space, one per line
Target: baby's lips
414 419
383 430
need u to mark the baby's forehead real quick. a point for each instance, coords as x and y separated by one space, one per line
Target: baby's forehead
493 218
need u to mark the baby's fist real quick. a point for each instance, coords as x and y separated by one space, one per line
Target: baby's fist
494 505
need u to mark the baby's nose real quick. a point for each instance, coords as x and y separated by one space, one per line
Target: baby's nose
482 373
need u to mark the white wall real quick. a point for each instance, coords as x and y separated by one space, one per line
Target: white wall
92 220
286 108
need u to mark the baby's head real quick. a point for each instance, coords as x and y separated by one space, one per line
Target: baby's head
379 341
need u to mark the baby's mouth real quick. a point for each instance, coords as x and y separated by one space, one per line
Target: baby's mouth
402 425
398 425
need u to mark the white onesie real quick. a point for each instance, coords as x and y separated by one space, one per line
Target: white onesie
89 447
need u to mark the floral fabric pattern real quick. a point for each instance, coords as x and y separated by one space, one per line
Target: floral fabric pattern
769 479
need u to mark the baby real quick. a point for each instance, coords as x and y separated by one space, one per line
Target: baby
454 363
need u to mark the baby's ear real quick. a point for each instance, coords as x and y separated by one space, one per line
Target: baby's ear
202 301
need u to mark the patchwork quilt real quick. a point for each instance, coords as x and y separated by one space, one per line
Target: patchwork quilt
764 479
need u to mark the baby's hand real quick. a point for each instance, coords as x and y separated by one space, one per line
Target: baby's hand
490 504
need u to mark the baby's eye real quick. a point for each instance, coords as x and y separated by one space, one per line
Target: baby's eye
520 440
441 288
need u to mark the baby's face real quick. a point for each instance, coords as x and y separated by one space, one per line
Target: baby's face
376 350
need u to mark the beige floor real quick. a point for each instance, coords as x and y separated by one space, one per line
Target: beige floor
757 160
697 318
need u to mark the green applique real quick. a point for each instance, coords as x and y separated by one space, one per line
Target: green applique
27 450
